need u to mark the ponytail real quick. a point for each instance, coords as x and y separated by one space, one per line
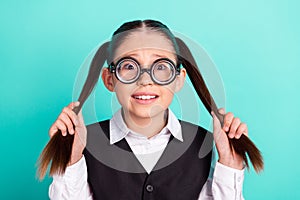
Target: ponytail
59 149
240 146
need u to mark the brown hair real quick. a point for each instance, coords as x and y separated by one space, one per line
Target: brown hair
59 148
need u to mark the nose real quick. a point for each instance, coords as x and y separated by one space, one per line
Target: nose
145 78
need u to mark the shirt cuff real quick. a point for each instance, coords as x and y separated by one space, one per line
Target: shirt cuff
73 172
231 177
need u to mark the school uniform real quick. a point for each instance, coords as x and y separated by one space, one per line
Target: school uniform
174 164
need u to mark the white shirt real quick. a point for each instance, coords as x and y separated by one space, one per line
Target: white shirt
226 182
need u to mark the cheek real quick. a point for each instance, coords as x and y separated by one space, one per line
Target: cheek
123 93
168 96
170 89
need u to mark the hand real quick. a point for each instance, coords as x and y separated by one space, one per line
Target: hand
66 122
235 129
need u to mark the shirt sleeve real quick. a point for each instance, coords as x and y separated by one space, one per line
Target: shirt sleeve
72 185
226 183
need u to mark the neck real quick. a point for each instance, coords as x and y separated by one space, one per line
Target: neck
147 126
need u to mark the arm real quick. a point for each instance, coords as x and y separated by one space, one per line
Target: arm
227 183
228 176
72 184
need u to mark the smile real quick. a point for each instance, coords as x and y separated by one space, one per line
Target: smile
145 97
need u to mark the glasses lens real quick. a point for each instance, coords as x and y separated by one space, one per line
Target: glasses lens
127 70
163 71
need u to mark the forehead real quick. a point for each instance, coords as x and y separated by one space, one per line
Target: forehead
145 43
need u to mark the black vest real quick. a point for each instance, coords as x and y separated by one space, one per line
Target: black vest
114 173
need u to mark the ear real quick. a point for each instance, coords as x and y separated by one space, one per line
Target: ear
180 79
107 78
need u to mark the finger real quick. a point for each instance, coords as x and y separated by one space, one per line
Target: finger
222 111
233 127
61 126
53 129
58 125
67 121
227 121
72 105
242 129
71 114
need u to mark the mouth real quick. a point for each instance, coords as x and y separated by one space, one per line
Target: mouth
144 98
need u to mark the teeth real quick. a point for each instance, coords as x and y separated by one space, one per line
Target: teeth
144 97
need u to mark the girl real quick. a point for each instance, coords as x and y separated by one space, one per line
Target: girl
144 152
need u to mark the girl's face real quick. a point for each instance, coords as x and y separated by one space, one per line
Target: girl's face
144 99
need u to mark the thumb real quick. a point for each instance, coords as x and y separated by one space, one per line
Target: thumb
80 117
218 133
216 122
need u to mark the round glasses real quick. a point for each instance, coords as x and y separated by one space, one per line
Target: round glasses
128 70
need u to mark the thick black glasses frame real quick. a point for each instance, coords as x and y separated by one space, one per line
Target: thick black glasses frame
113 67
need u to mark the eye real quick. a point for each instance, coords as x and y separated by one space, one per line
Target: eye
127 65
161 66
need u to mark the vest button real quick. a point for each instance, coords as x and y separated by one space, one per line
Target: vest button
149 188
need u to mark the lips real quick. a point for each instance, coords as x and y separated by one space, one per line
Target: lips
144 97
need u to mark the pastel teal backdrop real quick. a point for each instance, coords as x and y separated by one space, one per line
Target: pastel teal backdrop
254 44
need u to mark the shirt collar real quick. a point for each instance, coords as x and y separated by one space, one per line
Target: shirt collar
119 130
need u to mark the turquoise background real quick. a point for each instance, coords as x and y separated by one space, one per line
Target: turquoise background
255 45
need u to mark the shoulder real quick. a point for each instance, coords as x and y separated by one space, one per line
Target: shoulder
186 126
97 132
99 123
198 134
96 126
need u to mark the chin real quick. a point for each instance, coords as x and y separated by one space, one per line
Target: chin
149 112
